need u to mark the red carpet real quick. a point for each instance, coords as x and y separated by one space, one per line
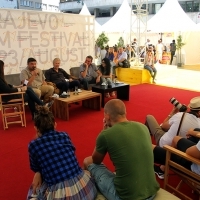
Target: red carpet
83 127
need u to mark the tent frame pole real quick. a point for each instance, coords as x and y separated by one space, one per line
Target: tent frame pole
141 17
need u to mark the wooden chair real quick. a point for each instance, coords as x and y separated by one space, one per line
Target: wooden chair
190 178
13 111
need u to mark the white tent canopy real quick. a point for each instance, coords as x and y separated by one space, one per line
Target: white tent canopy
85 11
121 21
170 18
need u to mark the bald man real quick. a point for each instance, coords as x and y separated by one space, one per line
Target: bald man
60 77
129 147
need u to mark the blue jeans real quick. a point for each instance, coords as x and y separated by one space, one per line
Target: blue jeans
152 70
32 98
86 82
105 181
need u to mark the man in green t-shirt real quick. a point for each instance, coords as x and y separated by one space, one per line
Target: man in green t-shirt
129 146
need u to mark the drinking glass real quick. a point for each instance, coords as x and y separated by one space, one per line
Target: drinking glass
76 90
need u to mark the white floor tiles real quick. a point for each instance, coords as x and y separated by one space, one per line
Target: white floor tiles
170 75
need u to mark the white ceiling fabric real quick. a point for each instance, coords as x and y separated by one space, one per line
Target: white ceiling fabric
170 18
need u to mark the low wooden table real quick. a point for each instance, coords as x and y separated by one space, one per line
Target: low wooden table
89 99
122 90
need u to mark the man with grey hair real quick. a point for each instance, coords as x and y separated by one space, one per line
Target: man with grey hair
125 141
60 77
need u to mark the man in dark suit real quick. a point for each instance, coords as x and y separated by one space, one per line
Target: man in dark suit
172 50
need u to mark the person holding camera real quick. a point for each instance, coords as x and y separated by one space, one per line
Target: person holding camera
89 73
178 122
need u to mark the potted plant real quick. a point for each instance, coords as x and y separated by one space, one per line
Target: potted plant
120 42
179 46
102 40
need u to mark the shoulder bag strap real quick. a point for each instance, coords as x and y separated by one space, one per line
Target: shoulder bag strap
180 124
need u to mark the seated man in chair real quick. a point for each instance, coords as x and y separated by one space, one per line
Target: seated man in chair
164 134
119 59
89 73
182 144
60 77
35 79
125 141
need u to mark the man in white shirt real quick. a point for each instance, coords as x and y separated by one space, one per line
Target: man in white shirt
103 53
159 51
148 44
165 133
119 59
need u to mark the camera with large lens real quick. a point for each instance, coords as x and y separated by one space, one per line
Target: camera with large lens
178 105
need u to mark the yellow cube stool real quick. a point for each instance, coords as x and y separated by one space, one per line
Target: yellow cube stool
133 75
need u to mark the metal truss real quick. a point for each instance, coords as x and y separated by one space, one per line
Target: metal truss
138 27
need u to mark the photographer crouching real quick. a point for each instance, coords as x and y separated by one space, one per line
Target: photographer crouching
178 122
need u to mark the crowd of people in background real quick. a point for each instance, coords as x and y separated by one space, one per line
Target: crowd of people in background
133 50
149 54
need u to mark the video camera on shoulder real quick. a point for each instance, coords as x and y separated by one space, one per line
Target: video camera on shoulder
178 105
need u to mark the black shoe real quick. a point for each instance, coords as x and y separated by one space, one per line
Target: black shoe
158 172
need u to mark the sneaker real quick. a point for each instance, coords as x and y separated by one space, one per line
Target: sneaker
158 172
49 104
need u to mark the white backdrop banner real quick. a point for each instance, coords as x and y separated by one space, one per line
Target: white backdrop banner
44 36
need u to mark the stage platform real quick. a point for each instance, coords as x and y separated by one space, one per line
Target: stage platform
173 76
